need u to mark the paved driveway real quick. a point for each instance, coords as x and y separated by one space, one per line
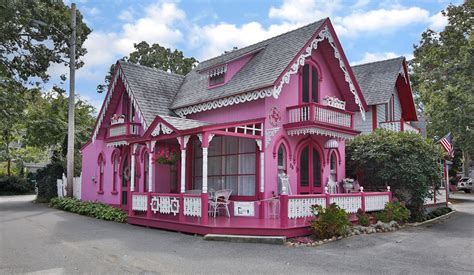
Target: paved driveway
40 240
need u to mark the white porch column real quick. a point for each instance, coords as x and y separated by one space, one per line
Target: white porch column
183 142
132 170
204 170
262 165
150 166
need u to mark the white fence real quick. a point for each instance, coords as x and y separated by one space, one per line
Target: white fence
61 184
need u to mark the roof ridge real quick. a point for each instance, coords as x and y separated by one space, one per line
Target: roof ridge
379 61
150 68
262 42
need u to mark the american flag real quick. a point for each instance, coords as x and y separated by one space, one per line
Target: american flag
447 146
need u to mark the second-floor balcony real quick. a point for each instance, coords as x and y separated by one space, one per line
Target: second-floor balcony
321 114
398 126
123 130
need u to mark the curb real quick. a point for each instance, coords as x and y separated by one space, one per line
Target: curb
246 239
432 220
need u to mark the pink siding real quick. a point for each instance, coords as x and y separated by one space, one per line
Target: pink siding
250 110
235 66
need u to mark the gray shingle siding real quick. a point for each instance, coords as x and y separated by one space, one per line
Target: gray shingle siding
365 126
398 106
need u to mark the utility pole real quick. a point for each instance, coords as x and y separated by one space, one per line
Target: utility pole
70 128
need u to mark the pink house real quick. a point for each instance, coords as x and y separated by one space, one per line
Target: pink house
243 144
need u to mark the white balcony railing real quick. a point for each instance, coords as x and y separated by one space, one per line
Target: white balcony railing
320 113
123 129
398 126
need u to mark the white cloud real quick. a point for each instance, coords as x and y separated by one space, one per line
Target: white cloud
438 21
157 25
126 15
377 56
304 11
380 21
213 40
360 4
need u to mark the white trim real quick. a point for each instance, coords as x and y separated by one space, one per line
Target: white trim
117 143
318 131
323 34
224 102
101 116
269 133
161 128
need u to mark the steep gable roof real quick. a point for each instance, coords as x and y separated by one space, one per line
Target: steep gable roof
153 89
377 79
271 58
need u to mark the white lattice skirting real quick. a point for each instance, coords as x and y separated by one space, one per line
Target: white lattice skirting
375 203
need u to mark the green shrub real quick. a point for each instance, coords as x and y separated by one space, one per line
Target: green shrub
46 180
87 208
394 211
329 222
363 218
14 185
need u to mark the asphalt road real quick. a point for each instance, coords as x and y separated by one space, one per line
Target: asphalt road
36 239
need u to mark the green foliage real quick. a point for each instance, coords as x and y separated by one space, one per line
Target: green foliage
363 218
155 56
406 162
23 53
437 212
394 211
329 222
15 186
92 209
442 75
46 180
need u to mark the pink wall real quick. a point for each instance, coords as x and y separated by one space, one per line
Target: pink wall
90 169
249 110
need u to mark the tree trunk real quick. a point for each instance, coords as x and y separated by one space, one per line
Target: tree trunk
466 163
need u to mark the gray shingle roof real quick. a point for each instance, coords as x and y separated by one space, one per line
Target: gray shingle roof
183 123
377 79
270 58
153 89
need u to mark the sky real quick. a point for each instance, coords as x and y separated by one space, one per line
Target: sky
369 30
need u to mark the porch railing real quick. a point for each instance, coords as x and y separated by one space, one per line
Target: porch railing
398 126
167 204
320 113
299 206
123 129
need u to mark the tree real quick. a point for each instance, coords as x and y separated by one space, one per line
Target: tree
443 70
407 162
155 56
23 55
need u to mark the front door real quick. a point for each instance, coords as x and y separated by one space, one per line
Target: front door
309 177
125 182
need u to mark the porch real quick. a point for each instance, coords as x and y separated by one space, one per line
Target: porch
286 215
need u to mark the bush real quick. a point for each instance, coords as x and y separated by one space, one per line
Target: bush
363 218
329 222
394 211
92 209
407 162
46 180
14 185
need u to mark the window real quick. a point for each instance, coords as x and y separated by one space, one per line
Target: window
389 109
281 159
146 167
310 84
216 79
116 164
101 173
232 165
333 165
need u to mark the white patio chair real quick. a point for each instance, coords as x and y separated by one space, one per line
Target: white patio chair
220 200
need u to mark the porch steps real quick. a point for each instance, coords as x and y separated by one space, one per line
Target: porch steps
245 238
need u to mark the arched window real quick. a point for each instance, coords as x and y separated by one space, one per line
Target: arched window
101 163
146 168
116 164
281 159
310 84
333 165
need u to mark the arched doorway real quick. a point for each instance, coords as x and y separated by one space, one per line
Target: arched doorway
309 174
125 177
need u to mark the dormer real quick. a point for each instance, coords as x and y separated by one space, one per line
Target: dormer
221 74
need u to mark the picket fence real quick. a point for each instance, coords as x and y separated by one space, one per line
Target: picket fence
61 184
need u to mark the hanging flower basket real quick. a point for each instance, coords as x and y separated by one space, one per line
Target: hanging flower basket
165 156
